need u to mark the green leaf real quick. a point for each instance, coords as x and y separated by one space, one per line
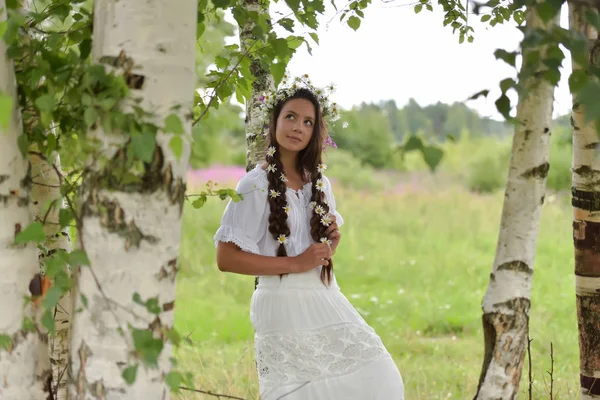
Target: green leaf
45 103
314 37
418 8
413 143
52 296
199 202
6 110
62 11
483 93
176 145
90 116
65 216
3 27
138 299
277 71
147 347
221 3
84 301
130 373
174 380
221 62
78 257
577 80
506 84
288 24
486 18
354 22
33 233
5 341
548 9
153 306
508 57
200 28
85 48
174 125
48 320
143 145
503 106
174 336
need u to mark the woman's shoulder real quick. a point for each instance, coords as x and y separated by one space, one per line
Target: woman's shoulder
254 179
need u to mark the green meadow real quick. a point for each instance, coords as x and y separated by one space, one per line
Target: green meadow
415 259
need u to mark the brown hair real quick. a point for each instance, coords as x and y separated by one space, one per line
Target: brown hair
308 161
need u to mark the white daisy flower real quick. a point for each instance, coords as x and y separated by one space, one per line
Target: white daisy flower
271 168
287 208
321 167
271 151
345 125
282 239
274 193
325 240
320 210
312 205
283 178
321 185
326 220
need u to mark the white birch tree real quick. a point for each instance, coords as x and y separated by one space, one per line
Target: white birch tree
507 300
132 201
22 374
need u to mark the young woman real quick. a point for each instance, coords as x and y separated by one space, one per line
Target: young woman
310 343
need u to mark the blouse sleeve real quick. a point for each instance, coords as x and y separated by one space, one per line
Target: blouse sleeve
241 223
331 202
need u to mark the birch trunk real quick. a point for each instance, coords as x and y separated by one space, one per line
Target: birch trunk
507 299
586 221
132 236
47 202
22 375
263 82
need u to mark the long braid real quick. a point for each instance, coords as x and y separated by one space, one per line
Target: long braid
317 229
278 217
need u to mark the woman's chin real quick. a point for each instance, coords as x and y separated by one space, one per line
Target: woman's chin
291 145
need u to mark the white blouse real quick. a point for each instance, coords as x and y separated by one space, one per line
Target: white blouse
246 222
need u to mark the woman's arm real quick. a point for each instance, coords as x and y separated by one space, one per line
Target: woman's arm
231 258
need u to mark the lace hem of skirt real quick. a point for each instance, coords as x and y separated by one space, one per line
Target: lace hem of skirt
306 356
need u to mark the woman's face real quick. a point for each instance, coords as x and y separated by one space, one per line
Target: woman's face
295 125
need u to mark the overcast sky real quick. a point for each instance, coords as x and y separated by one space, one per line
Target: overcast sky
397 54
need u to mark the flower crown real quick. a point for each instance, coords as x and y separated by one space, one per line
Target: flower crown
287 88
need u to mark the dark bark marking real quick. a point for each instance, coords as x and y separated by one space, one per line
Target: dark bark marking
517 266
169 306
586 200
592 145
539 172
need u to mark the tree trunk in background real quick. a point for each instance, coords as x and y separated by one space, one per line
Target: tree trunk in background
507 299
45 193
263 82
132 235
22 374
586 221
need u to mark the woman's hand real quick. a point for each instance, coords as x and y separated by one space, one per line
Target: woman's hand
317 254
334 234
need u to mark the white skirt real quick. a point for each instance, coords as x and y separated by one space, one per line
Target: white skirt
311 344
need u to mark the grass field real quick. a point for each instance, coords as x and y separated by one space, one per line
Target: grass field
415 262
